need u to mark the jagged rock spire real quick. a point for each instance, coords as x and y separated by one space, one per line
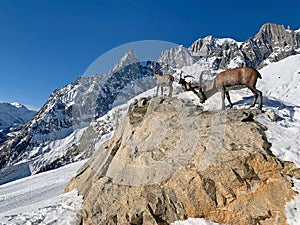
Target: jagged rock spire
126 60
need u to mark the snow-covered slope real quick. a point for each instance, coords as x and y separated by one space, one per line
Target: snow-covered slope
39 199
281 80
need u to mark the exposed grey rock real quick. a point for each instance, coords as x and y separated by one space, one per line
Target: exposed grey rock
272 115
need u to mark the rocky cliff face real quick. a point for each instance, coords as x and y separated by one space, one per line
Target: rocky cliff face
169 160
273 42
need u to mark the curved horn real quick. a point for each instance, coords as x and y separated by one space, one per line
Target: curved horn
188 76
156 69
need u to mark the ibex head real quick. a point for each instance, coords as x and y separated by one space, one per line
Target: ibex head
181 80
200 94
155 69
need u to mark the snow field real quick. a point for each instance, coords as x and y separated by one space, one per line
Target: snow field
39 199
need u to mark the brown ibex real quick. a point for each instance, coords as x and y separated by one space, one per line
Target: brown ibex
163 80
233 79
187 86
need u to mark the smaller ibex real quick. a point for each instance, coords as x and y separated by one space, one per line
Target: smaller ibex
162 81
233 79
187 86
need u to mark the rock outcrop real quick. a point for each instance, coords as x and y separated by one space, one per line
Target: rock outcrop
170 160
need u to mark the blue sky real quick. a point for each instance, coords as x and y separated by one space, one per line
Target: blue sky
46 44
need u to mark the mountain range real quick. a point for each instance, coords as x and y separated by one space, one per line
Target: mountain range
79 117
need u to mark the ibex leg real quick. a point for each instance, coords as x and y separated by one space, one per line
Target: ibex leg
223 99
255 93
228 98
170 91
260 102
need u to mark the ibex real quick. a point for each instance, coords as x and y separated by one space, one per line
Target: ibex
163 80
233 79
187 86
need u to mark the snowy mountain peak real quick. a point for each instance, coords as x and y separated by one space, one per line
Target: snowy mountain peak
176 57
126 60
14 113
202 46
205 46
277 36
209 39
17 104
13 116
226 41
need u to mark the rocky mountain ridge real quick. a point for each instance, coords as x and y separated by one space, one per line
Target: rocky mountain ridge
272 43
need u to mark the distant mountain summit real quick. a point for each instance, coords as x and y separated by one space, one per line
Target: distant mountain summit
128 59
13 116
203 47
177 57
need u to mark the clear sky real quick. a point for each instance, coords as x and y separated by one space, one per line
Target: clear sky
46 44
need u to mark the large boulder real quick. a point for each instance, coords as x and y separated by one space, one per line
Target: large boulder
170 160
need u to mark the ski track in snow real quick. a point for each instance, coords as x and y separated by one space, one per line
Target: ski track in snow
38 199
